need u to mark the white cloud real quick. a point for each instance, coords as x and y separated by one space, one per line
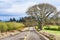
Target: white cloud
6 1
14 7
20 6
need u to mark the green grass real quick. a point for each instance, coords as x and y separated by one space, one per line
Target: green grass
53 29
51 26
52 32
56 33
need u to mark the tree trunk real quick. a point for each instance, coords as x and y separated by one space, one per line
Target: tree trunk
40 25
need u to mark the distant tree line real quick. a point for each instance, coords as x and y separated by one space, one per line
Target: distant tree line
14 20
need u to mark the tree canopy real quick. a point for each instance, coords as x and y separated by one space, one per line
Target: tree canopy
41 12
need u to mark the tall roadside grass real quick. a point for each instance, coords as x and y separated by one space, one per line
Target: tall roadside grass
8 26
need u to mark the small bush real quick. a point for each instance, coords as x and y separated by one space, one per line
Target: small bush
37 28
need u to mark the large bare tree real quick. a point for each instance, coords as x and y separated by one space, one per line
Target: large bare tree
41 12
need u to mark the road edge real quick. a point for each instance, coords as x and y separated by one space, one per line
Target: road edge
41 35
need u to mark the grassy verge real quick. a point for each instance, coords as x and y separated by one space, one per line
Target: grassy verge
51 31
56 33
54 30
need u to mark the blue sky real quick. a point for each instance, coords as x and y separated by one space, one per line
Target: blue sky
19 7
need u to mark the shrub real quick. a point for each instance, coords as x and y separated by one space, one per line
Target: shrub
15 26
3 27
37 28
18 26
9 26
